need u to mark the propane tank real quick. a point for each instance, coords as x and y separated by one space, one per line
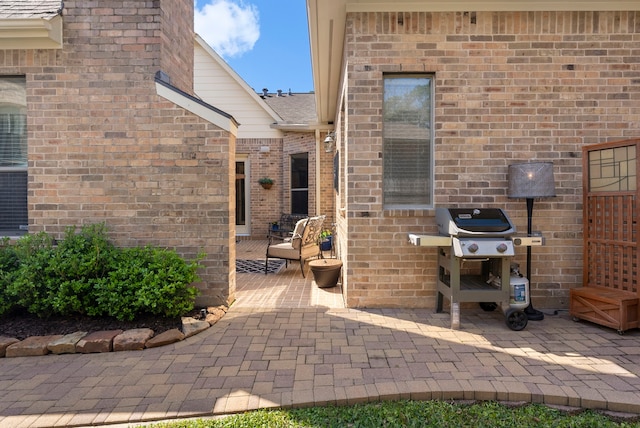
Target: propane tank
519 298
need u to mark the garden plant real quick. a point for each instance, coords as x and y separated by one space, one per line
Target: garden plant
85 274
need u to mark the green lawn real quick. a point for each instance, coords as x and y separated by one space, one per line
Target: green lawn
436 414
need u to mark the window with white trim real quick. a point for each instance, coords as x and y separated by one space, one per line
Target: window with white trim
13 156
300 183
408 141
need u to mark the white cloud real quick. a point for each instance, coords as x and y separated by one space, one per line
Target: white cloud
230 28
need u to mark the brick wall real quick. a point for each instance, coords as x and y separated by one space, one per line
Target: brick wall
268 204
177 42
510 87
326 205
103 147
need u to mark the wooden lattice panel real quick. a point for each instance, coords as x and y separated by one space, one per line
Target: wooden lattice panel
610 295
611 247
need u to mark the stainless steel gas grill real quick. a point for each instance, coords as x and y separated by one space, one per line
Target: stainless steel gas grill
475 248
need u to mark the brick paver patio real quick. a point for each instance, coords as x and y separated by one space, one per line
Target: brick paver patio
319 353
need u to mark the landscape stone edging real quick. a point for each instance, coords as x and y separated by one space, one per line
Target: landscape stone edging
107 341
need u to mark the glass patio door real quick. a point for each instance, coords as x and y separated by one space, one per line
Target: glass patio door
242 197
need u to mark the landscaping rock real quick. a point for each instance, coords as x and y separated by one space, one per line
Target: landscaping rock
6 342
191 326
214 314
66 344
165 338
64 337
132 340
31 346
99 341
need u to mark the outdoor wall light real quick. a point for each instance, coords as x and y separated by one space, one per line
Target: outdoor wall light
328 142
529 181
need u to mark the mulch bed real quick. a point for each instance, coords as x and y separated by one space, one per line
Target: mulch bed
21 325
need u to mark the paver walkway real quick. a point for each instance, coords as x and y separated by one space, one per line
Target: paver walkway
271 357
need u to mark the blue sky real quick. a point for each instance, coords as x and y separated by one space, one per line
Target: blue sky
265 41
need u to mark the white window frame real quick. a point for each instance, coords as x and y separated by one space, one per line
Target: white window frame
415 129
13 156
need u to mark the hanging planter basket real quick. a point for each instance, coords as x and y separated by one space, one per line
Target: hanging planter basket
266 182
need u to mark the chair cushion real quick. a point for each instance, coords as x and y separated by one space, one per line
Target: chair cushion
312 231
296 239
309 251
283 251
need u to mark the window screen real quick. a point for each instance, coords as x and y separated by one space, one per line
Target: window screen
300 183
13 156
407 141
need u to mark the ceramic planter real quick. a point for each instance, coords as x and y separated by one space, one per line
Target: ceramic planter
326 272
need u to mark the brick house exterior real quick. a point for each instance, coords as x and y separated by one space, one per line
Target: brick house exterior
298 137
514 81
275 128
115 135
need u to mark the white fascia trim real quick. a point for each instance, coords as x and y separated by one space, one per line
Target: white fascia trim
31 33
221 121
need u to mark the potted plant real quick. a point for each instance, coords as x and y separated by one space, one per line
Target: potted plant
266 182
326 240
274 226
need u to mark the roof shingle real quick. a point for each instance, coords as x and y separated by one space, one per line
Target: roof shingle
29 9
293 108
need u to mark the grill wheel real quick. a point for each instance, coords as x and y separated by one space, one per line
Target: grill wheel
516 319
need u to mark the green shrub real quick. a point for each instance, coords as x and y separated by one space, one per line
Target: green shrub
148 281
30 283
78 263
85 274
9 263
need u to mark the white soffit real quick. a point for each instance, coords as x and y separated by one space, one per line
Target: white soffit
198 109
31 33
327 18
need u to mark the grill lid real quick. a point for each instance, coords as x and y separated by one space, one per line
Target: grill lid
473 222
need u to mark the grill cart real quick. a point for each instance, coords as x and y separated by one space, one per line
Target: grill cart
475 250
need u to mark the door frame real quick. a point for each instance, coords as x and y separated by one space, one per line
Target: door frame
245 230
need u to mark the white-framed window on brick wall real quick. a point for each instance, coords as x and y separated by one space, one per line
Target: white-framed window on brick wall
407 149
13 156
300 183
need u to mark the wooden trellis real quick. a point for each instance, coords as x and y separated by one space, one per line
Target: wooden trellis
610 294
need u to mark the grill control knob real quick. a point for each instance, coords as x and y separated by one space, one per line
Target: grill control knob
502 247
473 247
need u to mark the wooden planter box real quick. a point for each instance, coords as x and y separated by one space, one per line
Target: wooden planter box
606 306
